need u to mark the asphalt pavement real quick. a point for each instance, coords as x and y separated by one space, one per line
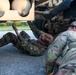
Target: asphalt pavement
12 62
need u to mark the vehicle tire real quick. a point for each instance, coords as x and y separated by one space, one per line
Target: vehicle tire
38 22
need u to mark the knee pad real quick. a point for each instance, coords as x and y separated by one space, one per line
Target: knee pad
22 6
4 6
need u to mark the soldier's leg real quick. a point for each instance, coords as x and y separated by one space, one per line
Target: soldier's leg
11 38
33 47
24 35
8 38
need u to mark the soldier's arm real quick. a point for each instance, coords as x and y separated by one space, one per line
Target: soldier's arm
45 39
56 10
35 29
15 29
18 35
54 51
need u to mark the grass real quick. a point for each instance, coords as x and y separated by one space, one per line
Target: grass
4 28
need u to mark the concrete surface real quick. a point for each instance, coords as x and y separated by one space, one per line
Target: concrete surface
12 62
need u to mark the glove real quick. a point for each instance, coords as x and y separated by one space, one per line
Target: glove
46 39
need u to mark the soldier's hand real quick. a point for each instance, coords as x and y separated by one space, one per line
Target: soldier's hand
46 39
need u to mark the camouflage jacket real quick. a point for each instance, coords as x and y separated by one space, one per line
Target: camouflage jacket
58 47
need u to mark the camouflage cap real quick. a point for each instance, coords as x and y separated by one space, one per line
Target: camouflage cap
73 23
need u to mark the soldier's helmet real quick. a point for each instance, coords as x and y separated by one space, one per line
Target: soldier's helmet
73 23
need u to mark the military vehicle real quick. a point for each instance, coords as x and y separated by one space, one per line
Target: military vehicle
55 23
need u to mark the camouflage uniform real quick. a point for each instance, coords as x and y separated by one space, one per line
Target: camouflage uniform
64 45
26 45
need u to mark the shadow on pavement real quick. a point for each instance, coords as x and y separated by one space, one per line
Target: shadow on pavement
12 62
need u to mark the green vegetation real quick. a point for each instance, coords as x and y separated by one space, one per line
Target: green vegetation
18 24
3 28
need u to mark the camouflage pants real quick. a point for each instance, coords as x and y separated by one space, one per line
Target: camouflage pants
32 47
